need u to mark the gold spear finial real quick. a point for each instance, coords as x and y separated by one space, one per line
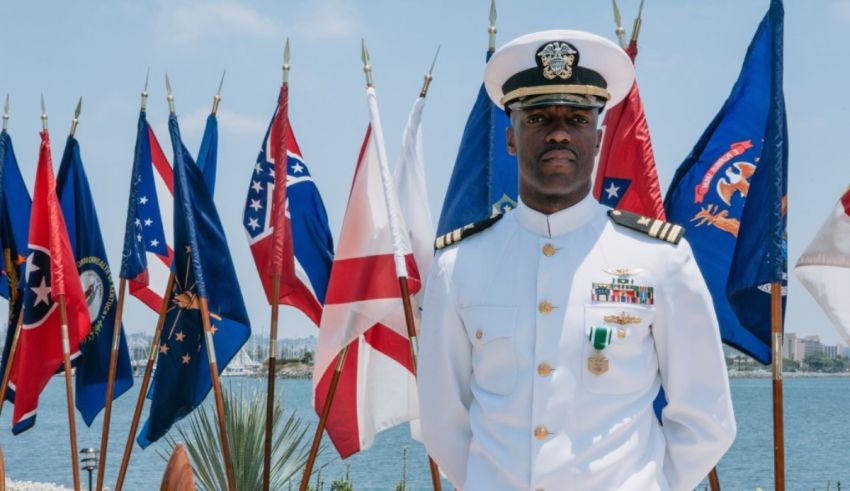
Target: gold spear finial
6 114
76 119
428 76
286 62
170 95
618 20
367 68
145 91
636 28
492 29
43 114
217 97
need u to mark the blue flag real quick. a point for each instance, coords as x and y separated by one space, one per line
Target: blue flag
15 205
484 179
203 269
729 194
80 214
208 153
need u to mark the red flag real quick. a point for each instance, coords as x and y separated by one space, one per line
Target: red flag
363 310
626 178
50 273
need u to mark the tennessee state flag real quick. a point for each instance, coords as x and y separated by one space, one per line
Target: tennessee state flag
626 178
50 273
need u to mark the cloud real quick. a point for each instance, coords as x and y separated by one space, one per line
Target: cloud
189 22
334 20
841 10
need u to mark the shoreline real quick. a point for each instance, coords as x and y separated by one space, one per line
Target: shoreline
769 374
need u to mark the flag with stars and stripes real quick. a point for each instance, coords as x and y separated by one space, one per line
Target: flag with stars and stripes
626 178
50 274
75 198
287 226
203 271
15 205
147 255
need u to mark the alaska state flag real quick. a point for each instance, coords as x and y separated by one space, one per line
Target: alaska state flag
203 269
730 194
484 179
302 239
208 153
15 204
146 259
72 187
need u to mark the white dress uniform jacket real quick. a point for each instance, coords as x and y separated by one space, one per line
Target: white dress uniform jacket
507 399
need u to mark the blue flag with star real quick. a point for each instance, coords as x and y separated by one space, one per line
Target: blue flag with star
484 179
15 205
203 269
78 208
729 194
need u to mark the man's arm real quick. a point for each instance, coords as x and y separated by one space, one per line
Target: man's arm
445 368
698 421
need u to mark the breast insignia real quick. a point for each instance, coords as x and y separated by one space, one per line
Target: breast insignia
461 233
657 229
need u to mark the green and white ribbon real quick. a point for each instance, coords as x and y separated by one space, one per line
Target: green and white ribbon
600 337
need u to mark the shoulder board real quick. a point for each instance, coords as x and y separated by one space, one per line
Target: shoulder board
657 229
461 233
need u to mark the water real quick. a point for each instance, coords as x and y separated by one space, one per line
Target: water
817 436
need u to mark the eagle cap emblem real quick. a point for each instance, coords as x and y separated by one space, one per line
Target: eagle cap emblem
557 59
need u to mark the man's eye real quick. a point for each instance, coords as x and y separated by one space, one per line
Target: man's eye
534 118
580 120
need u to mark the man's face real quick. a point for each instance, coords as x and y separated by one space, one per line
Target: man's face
555 147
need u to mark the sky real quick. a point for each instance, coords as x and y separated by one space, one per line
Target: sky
690 55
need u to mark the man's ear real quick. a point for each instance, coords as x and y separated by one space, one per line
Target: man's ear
598 141
509 137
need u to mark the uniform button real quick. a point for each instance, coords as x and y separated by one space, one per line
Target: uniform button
545 307
621 333
544 369
540 432
479 334
548 250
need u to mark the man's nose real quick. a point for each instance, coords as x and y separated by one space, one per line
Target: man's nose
559 132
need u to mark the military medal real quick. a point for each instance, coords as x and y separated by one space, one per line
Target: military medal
600 338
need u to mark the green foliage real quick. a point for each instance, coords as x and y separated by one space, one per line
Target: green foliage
245 419
344 483
402 485
820 363
307 358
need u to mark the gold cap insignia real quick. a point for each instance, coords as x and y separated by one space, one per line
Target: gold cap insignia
557 59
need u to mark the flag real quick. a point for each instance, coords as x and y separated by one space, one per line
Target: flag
147 256
203 269
208 153
409 183
301 235
15 205
626 178
484 179
824 267
50 274
729 194
72 187
363 310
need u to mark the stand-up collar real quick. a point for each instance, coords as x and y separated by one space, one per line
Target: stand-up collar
560 222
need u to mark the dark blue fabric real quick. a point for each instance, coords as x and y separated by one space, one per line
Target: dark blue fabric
203 268
15 206
752 121
208 153
87 243
484 178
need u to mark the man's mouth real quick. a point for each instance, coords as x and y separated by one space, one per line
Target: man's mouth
558 154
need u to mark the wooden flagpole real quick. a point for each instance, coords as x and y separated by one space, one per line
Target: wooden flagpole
140 401
69 391
219 401
113 357
11 274
110 383
778 424
323 419
272 357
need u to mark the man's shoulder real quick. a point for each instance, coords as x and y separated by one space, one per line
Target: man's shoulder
643 226
457 235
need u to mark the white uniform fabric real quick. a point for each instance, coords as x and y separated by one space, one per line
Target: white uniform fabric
494 418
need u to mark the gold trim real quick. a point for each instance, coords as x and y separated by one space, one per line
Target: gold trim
441 242
664 229
674 233
555 89
653 230
456 235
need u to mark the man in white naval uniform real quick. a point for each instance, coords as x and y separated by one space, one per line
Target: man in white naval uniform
547 334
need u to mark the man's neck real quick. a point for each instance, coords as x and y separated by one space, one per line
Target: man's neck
550 204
